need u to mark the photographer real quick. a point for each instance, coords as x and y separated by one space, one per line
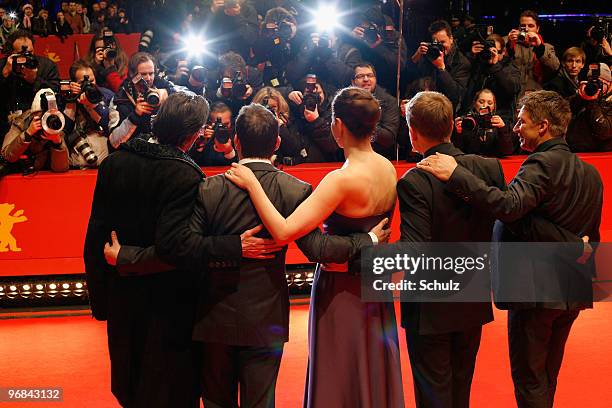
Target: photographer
276 46
482 131
291 140
597 43
238 82
377 41
88 116
442 62
312 141
329 58
535 59
38 135
214 146
493 70
590 129
108 60
139 97
385 135
23 74
566 82
234 25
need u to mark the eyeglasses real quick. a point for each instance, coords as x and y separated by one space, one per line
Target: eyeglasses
364 76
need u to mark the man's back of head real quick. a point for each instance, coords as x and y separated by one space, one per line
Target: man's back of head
179 118
430 119
256 132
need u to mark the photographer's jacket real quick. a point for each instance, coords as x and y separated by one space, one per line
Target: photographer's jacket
536 64
590 129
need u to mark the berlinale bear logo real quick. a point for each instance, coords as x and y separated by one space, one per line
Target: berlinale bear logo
7 220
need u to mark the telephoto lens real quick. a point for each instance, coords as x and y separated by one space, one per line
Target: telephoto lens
84 149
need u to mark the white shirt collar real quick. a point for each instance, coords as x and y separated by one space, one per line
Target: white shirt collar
245 161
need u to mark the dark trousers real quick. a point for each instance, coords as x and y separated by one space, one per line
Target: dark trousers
226 367
443 366
537 340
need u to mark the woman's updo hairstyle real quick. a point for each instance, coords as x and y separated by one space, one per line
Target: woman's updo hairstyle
358 109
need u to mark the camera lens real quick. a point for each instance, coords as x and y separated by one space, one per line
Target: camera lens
54 122
152 98
591 88
85 150
468 123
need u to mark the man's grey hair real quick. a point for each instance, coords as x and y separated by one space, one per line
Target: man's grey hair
548 105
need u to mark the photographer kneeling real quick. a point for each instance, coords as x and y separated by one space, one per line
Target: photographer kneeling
38 135
139 97
482 131
88 116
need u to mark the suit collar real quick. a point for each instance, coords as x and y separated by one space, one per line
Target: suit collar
260 166
445 148
550 144
247 160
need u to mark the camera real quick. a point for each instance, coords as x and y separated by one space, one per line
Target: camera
150 95
522 35
478 121
233 88
110 45
486 54
84 149
310 98
593 84
52 120
221 132
434 49
24 59
91 91
199 73
370 33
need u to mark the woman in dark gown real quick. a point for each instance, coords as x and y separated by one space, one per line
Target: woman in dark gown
353 345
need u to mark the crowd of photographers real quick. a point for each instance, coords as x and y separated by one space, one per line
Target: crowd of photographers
269 53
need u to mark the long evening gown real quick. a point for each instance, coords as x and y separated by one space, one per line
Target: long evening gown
354 357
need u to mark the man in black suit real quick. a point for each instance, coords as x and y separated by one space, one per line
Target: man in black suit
442 338
554 184
242 317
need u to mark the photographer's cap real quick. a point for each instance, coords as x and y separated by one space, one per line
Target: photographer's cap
604 72
36 103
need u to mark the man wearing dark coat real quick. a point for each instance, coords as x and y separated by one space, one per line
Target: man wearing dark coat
145 192
544 292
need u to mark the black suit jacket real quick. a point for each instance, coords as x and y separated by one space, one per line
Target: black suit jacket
555 185
431 214
249 305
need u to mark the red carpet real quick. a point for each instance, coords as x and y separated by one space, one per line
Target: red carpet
70 352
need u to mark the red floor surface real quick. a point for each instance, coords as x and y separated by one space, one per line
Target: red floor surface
70 352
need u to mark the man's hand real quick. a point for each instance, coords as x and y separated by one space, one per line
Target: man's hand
358 32
495 57
381 233
441 166
225 148
143 108
8 67
296 97
111 252
35 126
311 116
513 35
418 54
586 252
258 248
533 39
605 45
477 47
439 62
497 122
